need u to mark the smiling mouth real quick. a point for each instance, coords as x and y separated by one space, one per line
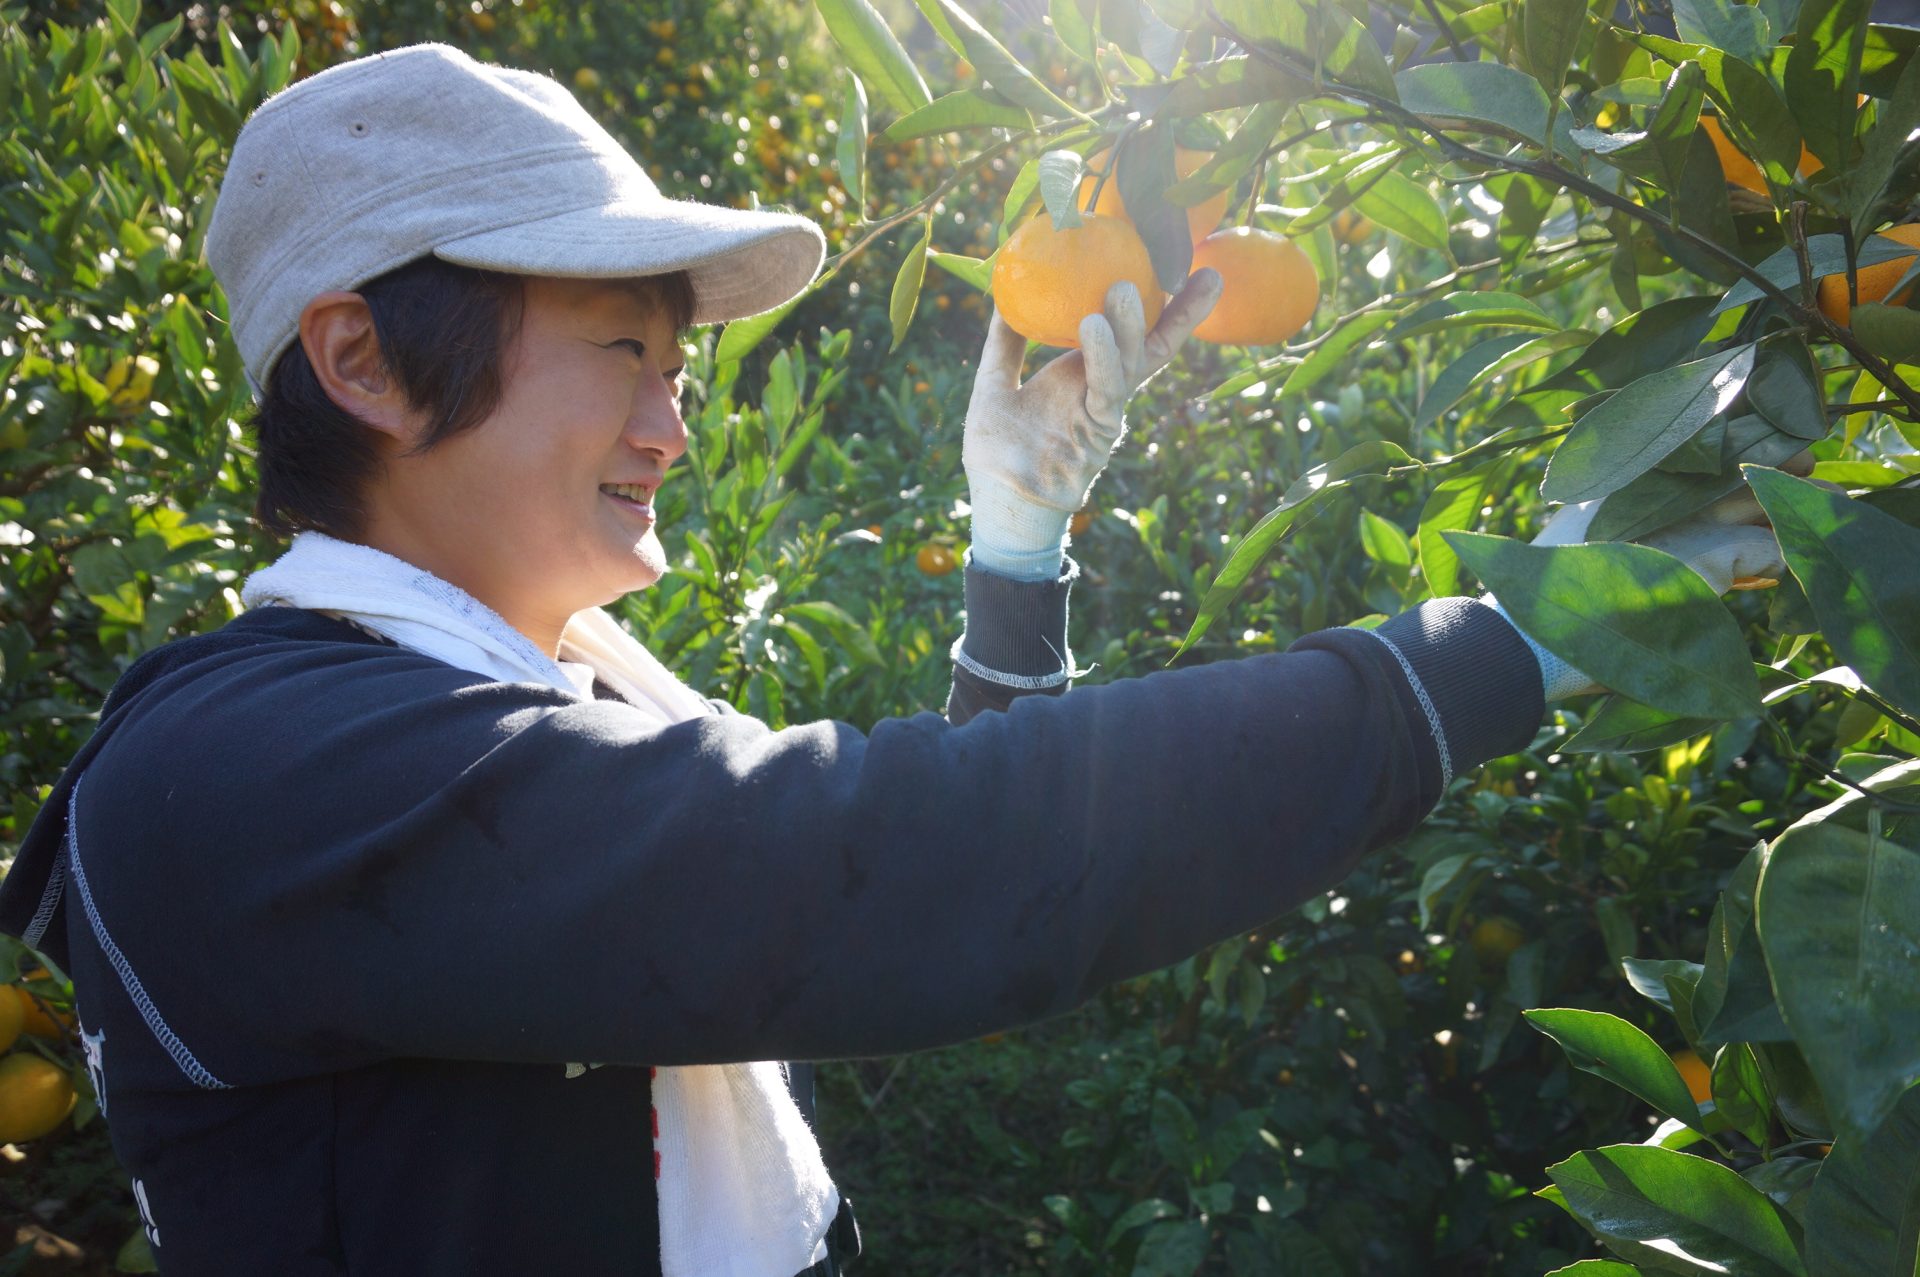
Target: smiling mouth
635 497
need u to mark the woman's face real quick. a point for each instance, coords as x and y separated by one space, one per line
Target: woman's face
518 510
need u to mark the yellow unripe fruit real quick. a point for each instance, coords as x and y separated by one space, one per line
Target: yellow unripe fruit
1875 282
35 1097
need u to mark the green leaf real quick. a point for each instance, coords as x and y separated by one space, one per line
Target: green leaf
1331 354
1826 255
1408 209
1660 497
1021 192
742 335
1551 31
937 19
1738 29
1623 725
1172 1249
1785 389
1240 153
1668 982
1642 343
953 112
1383 542
1860 568
1455 503
1494 357
1891 332
1823 77
1639 1194
873 53
1071 25
1006 73
850 151
1508 101
973 270
1786 1180
1302 500
782 396
1641 423
1145 169
1863 1212
1472 310
1597 1268
1635 619
1839 917
1608 1047
1060 173
906 286
1879 183
1659 152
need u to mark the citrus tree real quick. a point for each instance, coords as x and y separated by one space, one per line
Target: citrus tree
1653 263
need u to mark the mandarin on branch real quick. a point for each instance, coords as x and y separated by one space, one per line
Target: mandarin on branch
1045 281
1875 281
1268 288
35 1097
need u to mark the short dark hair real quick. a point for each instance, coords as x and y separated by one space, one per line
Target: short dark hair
443 331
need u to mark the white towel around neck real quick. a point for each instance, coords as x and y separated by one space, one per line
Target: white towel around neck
743 1190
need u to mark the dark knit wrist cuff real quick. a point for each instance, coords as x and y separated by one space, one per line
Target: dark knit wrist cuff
1475 678
1016 632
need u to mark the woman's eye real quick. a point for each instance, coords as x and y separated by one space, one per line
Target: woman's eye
639 348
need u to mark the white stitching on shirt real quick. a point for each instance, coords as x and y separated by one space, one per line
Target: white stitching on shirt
49 901
1426 703
1031 682
169 1040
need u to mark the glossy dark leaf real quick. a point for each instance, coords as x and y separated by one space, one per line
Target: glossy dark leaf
1863 1212
1860 568
1639 1193
1640 424
1634 619
1839 916
1607 1046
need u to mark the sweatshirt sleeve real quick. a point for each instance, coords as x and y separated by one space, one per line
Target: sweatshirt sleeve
332 854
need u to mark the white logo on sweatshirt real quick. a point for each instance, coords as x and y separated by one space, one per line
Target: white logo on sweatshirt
146 1213
92 1044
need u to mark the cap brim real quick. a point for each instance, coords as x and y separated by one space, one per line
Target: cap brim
742 261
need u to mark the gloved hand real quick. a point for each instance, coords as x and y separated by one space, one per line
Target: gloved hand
1033 451
1729 543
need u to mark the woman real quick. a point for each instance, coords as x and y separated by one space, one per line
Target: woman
421 922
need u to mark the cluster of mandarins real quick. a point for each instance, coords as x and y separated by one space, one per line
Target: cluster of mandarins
1873 283
35 1093
1046 279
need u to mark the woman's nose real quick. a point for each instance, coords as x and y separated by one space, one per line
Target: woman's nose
655 424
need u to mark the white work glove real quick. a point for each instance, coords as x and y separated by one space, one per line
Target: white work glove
1729 543
1033 451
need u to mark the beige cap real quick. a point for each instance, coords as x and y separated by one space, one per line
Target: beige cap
379 161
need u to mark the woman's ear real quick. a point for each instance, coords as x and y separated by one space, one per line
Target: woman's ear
341 344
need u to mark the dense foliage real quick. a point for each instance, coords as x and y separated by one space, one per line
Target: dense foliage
1532 265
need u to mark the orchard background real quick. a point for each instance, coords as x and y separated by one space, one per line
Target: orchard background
1558 242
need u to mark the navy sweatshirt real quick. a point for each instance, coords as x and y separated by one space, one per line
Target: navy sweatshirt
338 914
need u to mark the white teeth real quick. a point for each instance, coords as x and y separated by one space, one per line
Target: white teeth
631 491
